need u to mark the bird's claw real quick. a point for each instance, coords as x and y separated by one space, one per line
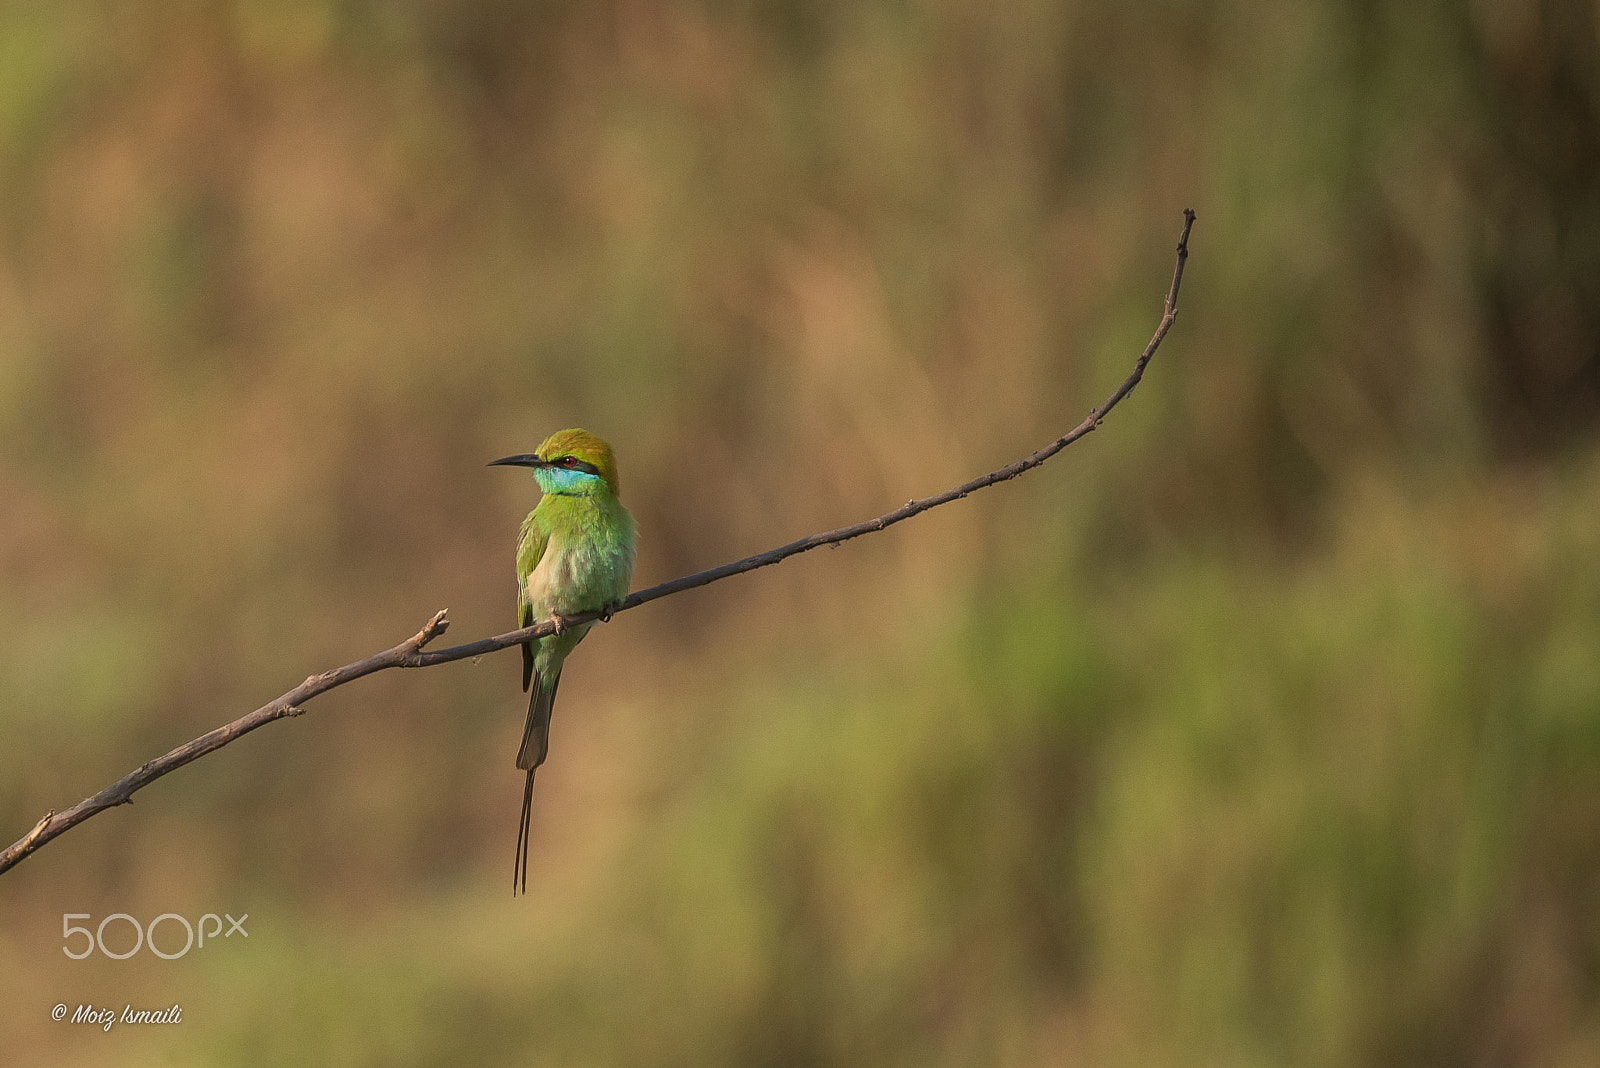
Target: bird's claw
560 622
609 610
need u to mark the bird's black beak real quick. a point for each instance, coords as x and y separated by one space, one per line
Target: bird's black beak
527 459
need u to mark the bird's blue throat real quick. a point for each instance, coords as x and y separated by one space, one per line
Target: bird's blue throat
566 481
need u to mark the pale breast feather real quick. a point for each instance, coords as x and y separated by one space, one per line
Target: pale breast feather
601 570
553 573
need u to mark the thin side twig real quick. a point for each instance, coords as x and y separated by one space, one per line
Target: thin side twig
411 652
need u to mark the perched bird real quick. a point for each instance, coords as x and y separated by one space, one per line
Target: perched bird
575 555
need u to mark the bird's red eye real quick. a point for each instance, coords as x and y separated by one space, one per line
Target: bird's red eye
569 461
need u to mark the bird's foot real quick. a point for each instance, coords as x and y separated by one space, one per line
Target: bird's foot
610 610
562 622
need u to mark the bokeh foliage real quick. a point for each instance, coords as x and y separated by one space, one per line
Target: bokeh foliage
1262 727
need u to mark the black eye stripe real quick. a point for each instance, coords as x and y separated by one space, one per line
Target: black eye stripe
572 463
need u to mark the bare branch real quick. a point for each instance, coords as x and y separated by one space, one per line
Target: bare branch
410 653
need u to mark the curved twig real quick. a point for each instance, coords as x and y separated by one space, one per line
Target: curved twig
410 653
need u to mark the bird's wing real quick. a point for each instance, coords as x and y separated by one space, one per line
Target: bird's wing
525 619
530 550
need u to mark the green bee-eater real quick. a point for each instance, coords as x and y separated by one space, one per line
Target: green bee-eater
575 555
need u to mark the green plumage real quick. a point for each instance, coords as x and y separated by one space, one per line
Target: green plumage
575 554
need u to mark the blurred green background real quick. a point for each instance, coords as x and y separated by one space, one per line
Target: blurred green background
1261 728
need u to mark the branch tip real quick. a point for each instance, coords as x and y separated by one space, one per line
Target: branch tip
430 630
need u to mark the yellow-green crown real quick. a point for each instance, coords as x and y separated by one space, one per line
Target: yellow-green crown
586 447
